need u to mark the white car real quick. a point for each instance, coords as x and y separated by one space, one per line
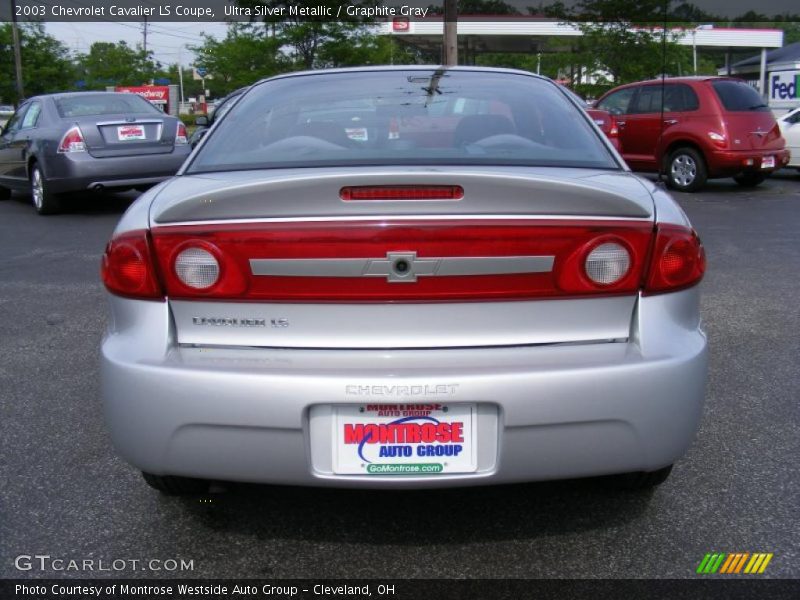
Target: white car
790 130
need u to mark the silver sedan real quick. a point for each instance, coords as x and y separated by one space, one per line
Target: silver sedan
87 141
401 278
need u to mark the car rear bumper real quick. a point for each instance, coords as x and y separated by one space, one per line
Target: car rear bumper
544 412
74 173
725 163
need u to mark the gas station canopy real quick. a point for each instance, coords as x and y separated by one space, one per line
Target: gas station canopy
528 34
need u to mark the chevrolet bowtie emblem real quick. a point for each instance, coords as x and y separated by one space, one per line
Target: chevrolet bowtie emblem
401 266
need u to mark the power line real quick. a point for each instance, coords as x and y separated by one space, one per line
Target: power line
151 27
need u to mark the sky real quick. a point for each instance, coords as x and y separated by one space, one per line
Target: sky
168 41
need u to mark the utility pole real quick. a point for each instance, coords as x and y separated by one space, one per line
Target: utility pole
17 53
450 41
180 72
144 33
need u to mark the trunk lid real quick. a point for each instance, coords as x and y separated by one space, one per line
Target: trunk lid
306 269
128 135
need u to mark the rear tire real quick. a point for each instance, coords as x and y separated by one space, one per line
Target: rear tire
44 201
172 485
749 179
642 480
5 193
686 170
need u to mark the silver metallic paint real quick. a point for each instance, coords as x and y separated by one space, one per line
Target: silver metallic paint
387 267
565 410
281 193
408 325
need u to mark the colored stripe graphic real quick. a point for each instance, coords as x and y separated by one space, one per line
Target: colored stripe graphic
723 563
731 560
711 562
741 563
701 568
758 563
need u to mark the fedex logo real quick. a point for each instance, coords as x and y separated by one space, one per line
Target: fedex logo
784 85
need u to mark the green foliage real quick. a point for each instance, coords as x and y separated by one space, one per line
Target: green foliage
45 60
248 53
188 120
306 38
365 49
116 64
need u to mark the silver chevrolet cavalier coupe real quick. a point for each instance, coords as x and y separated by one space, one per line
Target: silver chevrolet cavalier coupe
398 278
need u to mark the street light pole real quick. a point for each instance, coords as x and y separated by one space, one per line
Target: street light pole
17 53
450 41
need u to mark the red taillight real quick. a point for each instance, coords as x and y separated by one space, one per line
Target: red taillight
181 138
127 267
614 130
678 260
718 139
402 192
72 141
588 258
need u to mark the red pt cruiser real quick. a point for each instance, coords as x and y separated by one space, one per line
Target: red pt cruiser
696 128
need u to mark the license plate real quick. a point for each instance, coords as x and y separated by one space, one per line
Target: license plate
404 439
130 132
768 162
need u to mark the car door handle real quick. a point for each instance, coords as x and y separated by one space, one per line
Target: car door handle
620 123
670 121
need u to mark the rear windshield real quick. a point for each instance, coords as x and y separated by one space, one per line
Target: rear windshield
403 118
737 96
103 104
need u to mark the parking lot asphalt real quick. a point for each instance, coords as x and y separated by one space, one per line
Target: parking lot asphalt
65 493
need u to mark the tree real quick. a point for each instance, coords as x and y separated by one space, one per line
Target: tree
109 64
246 55
622 41
316 41
45 60
364 49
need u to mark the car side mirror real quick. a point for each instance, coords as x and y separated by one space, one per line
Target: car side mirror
201 121
198 135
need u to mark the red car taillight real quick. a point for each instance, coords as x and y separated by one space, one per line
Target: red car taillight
614 129
72 141
181 137
588 258
678 260
127 267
